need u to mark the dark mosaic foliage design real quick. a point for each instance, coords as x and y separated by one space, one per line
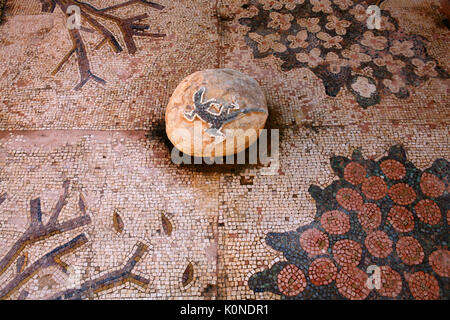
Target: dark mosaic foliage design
379 68
431 237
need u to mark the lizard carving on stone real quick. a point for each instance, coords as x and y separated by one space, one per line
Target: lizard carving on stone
216 120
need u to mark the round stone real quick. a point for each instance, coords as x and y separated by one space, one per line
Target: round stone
291 280
216 112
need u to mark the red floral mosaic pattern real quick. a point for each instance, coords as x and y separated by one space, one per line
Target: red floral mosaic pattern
322 272
351 283
440 262
428 211
374 188
410 250
423 286
335 222
349 199
403 194
378 244
431 185
355 173
401 219
386 214
391 282
314 242
347 252
369 216
393 169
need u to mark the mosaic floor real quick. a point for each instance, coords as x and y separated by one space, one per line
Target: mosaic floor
92 207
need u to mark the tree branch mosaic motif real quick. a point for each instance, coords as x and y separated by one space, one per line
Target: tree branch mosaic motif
333 40
129 28
385 213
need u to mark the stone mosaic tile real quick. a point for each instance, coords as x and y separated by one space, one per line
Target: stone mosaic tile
98 179
92 207
2 8
123 82
325 93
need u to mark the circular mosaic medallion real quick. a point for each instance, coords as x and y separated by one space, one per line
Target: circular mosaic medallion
351 283
401 219
349 199
391 282
393 169
354 173
428 211
370 216
410 251
378 244
322 271
374 188
440 262
402 194
335 222
431 185
291 280
314 241
347 252
423 286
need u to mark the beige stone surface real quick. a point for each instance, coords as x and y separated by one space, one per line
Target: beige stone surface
226 87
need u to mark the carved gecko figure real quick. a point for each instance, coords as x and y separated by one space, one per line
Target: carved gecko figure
216 120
